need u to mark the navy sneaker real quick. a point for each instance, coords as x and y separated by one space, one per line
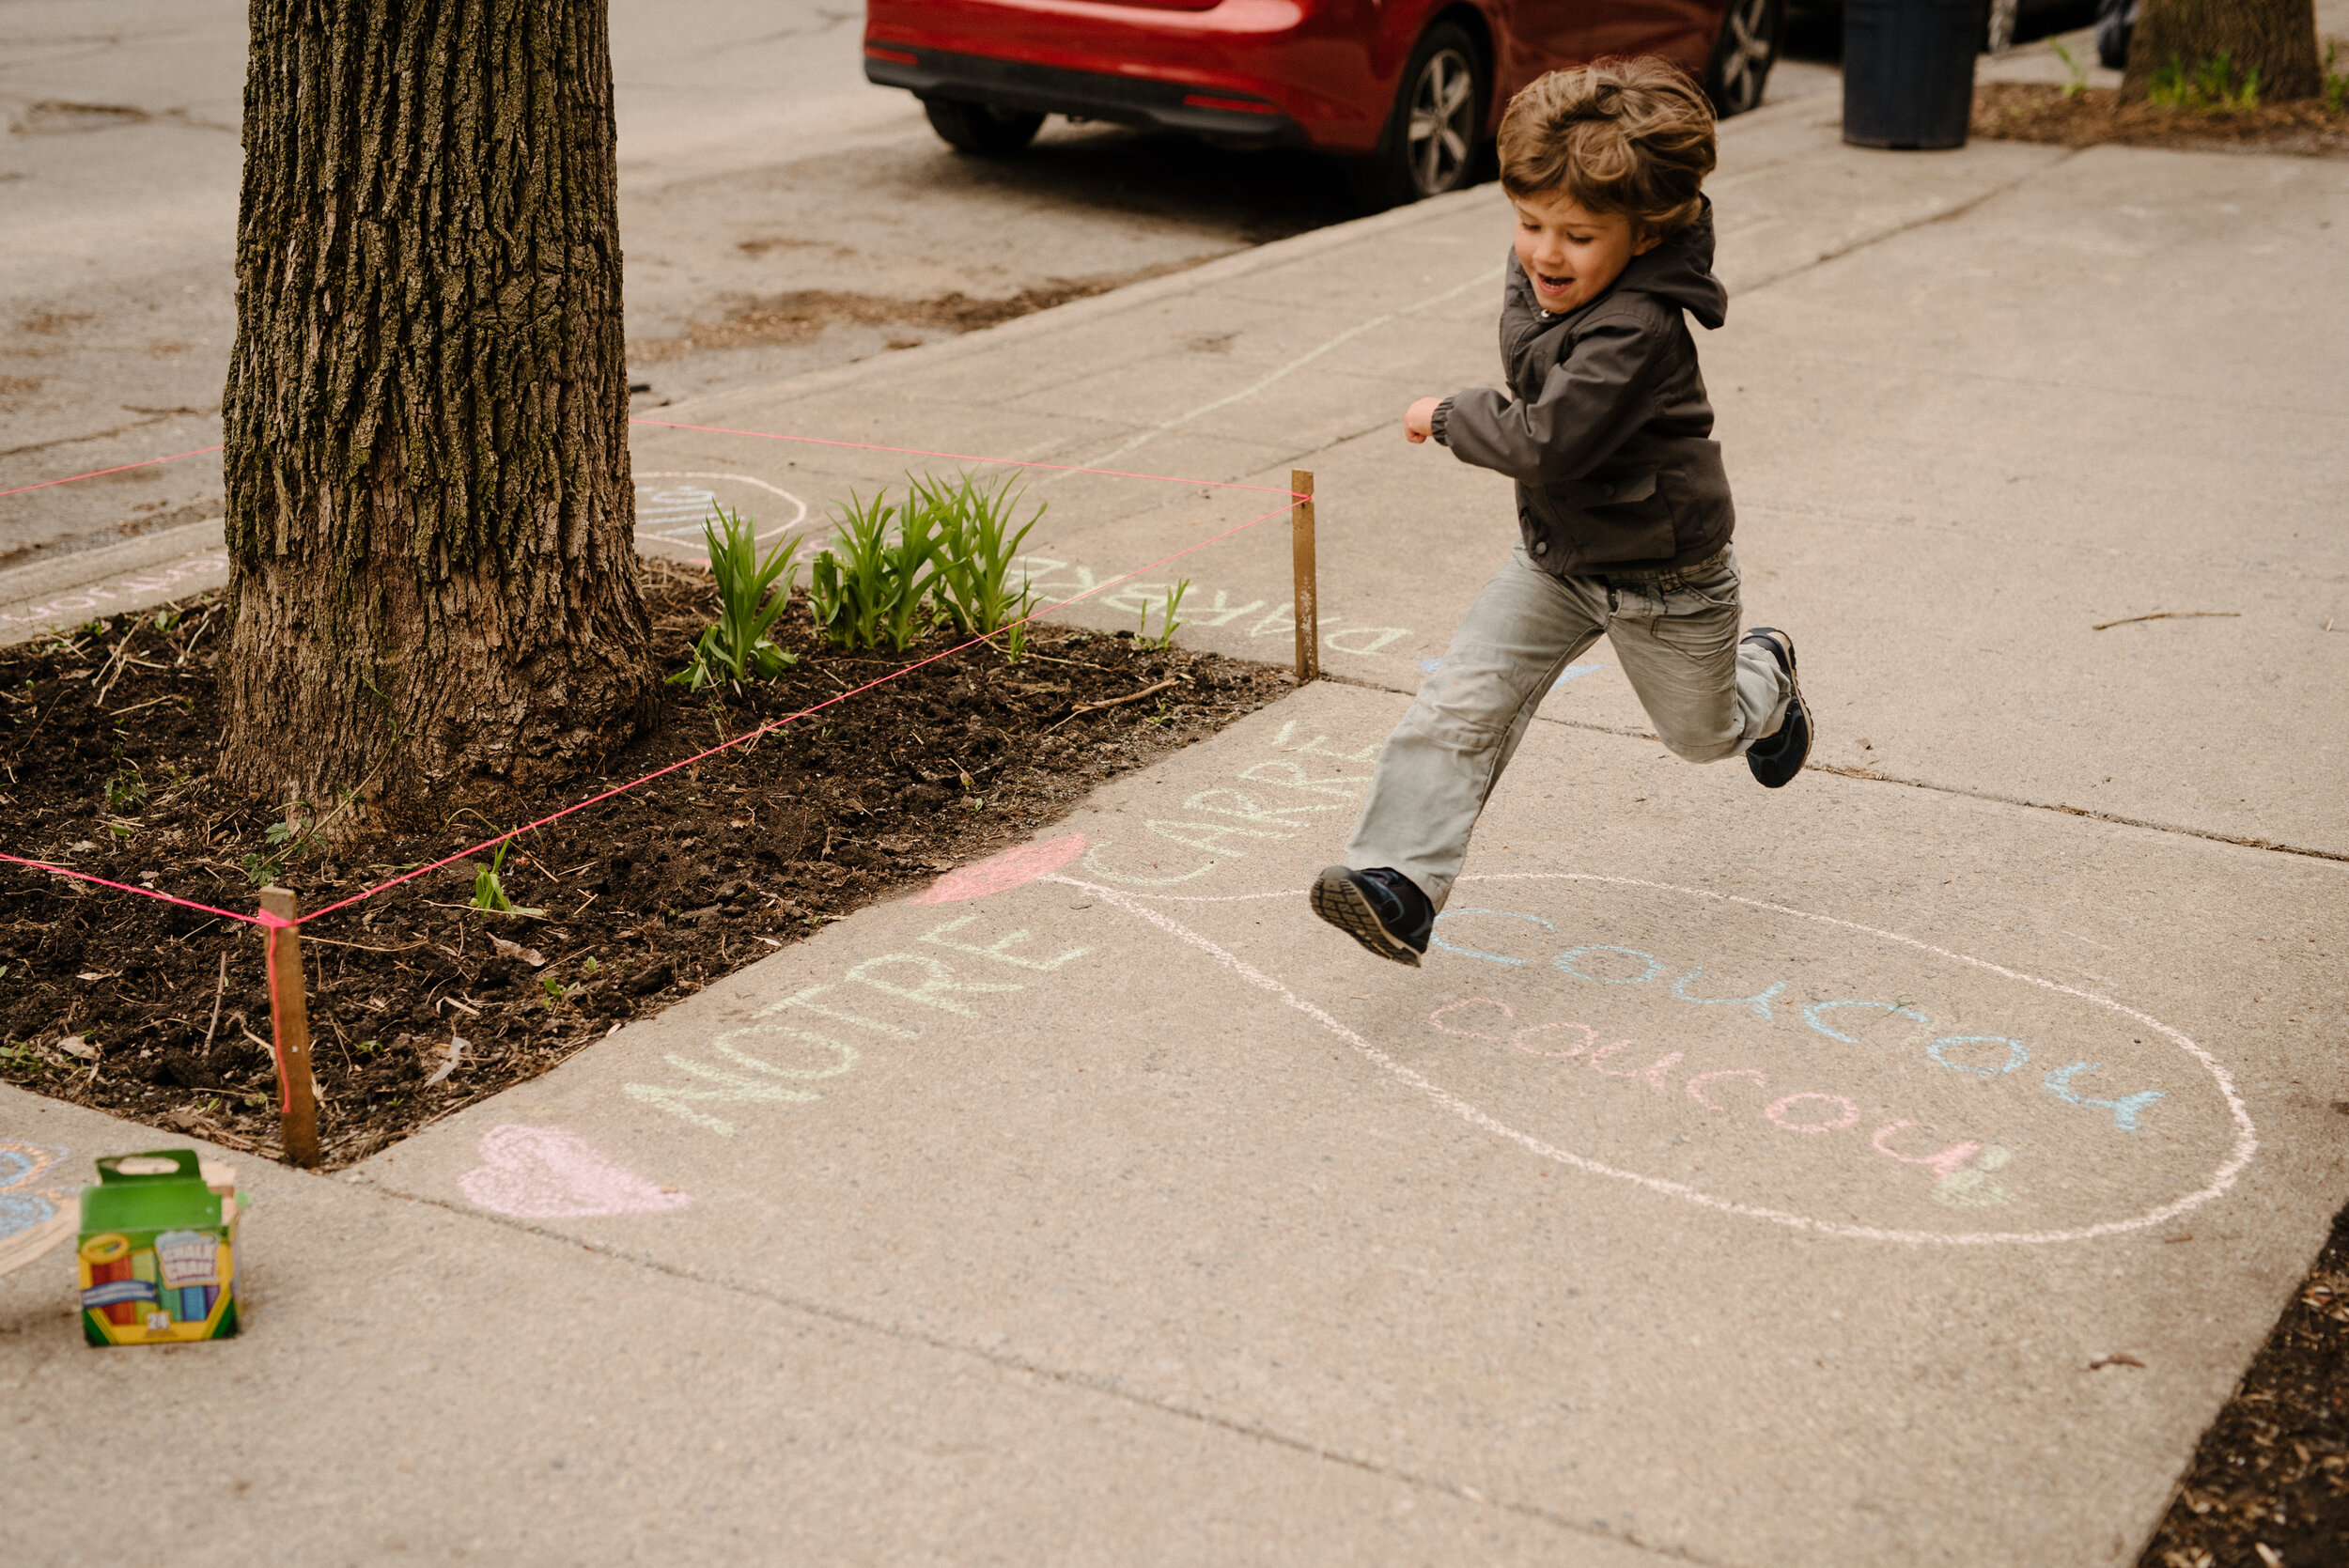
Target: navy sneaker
1777 758
1382 909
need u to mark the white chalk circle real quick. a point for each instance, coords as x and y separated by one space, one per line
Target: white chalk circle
673 505
1800 1113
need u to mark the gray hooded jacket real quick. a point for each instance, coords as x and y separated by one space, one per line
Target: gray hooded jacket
1605 426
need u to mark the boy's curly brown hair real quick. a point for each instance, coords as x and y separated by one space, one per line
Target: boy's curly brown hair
1629 136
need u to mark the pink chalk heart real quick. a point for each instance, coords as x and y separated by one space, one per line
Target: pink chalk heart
547 1173
1001 873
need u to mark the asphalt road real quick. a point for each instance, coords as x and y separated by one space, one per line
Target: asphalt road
779 214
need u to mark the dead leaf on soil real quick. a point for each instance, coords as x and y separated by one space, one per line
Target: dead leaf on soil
448 1058
73 1045
530 956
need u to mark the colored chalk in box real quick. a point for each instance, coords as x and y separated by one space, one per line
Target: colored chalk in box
158 1250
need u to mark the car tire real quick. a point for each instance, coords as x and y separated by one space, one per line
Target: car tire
1435 132
981 128
1751 32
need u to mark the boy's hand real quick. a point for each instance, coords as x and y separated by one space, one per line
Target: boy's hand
1419 420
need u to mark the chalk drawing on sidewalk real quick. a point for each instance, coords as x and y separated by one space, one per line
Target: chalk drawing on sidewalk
1002 873
549 1173
1207 606
1963 1170
677 507
33 1218
104 598
1965 1085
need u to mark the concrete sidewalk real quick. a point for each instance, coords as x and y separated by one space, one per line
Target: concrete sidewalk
1747 1178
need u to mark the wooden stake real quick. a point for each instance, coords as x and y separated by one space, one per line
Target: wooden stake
289 1010
1308 589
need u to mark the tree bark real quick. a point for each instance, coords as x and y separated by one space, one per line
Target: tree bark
2276 36
430 516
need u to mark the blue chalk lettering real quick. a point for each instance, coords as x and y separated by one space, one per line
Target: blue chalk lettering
1437 937
1761 1001
2123 1110
1810 1015
2016 1054
1566 961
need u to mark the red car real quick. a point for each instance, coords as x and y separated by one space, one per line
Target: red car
1411 89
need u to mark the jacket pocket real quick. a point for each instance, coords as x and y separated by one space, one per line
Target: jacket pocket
1581 494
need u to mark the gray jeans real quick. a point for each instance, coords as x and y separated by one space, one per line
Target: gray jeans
1675 634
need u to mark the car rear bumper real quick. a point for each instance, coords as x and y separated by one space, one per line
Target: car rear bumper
1226 115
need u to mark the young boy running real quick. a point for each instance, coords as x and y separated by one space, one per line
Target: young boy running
1623 505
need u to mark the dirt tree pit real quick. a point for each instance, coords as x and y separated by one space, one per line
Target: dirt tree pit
107 999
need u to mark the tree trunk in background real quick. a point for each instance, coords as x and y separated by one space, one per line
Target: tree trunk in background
2276 36
430 513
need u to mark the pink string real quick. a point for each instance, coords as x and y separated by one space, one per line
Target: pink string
125 887
101 472
966 458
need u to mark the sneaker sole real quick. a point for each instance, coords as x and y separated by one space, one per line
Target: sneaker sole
1337 900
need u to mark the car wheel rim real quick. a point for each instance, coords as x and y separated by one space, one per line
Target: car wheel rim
1443 121
1747 45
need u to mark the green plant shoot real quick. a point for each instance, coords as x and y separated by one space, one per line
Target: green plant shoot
868 587
2075 68
977 546
737 647
1169 626
488 892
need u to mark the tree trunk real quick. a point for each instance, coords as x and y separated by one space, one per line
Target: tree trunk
2276 36
430 516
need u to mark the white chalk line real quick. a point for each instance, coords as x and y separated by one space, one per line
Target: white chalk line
2246 1142
1290 368
671 533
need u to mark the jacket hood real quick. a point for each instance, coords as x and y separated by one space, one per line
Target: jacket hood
1678 272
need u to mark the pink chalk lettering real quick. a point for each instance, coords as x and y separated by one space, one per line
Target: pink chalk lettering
1696 1084
1437 1016
1943 1165
1516 1040
1590 1039
1777 1111
548 1173
1655 1074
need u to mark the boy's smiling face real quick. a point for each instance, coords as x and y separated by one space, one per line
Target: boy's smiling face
1569 253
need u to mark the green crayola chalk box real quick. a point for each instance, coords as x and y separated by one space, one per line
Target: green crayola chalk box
158 1250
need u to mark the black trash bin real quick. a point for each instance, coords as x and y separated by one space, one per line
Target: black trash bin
1908 71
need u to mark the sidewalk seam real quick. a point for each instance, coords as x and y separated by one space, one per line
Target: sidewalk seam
1088 1382
1946 215
1974 792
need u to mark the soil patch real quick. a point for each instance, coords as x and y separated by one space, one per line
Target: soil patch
2273 1470
801 316
2037 112
159 1013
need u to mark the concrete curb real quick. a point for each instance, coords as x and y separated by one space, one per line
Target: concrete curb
155 569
